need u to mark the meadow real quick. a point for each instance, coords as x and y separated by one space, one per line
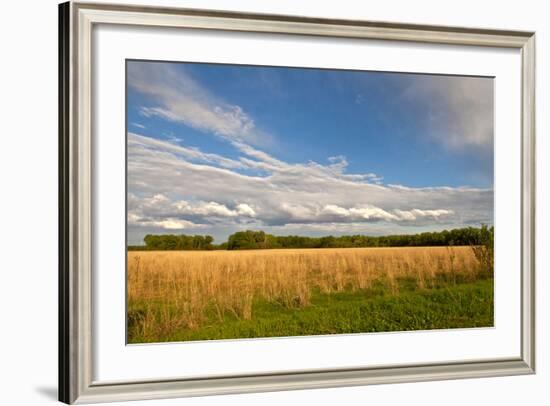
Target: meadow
198 295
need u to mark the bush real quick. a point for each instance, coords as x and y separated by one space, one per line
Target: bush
484 250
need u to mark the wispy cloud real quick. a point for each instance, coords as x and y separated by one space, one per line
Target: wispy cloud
190 154
177 97
138 125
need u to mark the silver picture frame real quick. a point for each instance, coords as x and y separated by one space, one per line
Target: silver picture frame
76 21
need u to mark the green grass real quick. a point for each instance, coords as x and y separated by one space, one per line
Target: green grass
446 306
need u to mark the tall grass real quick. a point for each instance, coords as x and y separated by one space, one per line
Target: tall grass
171 290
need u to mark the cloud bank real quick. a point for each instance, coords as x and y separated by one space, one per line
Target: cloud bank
177 188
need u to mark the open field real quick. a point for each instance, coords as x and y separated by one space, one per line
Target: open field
194 295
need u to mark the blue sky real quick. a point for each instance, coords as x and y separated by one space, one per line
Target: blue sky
217 148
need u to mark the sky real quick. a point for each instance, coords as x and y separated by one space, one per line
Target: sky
214 149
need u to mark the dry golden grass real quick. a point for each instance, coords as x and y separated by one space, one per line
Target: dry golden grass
175 289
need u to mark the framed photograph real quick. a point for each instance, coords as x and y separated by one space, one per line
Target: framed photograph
262 202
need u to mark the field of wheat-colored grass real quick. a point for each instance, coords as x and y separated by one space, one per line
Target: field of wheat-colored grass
170 290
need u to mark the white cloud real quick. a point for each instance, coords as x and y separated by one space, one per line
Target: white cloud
165 224
369 213
159 211
178 97
191 154
458 111
174 224
245 210
431 213
335 210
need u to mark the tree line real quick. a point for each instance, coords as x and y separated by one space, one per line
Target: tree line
249 239
180 242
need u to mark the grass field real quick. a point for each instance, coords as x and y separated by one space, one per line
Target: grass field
198 295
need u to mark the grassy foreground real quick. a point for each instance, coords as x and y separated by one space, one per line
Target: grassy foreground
462 305
196 295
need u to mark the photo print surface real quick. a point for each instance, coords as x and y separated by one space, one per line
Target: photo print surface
284 201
